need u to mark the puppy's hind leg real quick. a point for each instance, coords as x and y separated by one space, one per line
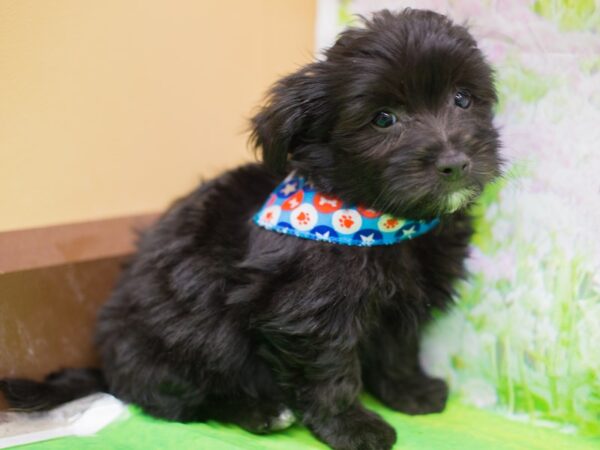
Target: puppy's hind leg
253 415
322 383
250 398
392 372
176 399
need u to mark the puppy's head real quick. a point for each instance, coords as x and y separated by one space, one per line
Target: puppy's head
398 117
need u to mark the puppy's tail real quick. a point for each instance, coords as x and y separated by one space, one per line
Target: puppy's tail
57 388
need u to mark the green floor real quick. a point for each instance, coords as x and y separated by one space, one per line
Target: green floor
459 428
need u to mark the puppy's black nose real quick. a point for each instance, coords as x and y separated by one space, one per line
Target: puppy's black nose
453 166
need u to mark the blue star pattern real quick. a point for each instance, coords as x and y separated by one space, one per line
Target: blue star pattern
297 209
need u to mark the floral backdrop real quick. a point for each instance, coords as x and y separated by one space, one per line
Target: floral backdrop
524 337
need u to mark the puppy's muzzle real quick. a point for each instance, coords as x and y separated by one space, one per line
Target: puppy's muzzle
453 166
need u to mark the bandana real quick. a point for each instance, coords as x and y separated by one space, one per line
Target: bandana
296 208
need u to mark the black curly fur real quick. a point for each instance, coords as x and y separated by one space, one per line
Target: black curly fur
216 318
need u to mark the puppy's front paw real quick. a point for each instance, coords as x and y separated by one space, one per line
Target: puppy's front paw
356 429
418 394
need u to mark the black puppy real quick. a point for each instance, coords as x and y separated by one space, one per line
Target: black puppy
219 318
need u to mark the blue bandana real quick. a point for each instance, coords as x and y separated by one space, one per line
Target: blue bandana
295 208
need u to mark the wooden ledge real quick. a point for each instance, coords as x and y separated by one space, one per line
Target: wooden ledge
70 243
52 282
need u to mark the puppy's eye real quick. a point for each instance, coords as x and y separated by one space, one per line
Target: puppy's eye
384 119
462 99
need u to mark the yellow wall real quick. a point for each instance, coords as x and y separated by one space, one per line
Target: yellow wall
112 108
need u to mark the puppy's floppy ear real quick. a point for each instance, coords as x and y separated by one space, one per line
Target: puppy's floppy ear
295 114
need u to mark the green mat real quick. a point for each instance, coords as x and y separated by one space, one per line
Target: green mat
459 427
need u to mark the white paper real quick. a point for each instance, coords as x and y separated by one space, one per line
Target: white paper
82 417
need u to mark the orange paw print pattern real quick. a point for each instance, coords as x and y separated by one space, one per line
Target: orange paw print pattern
390 223
303 218
346 221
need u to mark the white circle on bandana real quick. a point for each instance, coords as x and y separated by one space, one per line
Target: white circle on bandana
270 216
388 224
346 221
304 217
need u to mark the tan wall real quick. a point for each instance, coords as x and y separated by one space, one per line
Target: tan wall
111 108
